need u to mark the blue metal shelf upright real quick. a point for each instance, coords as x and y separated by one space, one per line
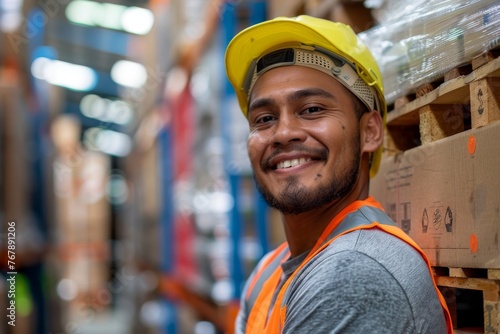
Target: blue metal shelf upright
236 17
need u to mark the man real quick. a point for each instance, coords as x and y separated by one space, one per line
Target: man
313 97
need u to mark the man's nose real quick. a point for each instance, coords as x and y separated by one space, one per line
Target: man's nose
288 129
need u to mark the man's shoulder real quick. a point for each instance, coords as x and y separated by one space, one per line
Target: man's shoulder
379 246
370 241
377 268
347 283
365 252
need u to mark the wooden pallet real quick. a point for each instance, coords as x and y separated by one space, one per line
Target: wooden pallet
466 97
454 281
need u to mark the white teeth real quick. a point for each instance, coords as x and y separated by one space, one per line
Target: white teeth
292 163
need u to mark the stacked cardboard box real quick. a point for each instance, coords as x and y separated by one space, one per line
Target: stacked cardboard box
444 193
351 12
82 219
446 197
440 183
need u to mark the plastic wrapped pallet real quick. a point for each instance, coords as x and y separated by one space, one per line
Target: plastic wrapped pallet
386 10
420 46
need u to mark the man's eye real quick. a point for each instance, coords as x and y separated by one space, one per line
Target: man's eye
311 110
264 119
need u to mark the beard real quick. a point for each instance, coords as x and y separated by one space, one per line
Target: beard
296 198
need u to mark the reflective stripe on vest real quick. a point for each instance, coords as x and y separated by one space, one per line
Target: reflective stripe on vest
368 214
273 262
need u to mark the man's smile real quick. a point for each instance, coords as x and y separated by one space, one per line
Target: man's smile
292 163
281 159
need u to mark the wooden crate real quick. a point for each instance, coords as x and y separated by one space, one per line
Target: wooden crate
466 97
453 282
439 181
439 176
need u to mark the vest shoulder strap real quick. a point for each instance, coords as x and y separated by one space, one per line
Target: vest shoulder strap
365 215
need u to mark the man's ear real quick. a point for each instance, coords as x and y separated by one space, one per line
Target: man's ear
372 131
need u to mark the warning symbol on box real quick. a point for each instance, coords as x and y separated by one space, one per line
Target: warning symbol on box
448 220
391 211
425 221
437 219
406 217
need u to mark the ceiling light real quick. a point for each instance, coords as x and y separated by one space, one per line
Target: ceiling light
64 74
134 20
129 74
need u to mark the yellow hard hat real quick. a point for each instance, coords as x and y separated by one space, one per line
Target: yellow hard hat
290 41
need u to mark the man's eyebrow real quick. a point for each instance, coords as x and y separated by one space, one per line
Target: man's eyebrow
297 95
310 92
260 103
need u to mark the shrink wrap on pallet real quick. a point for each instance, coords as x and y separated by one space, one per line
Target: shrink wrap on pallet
386 10
420 44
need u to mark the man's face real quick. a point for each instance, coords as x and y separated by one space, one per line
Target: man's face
304 142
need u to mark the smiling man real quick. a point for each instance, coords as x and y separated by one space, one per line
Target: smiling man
313 97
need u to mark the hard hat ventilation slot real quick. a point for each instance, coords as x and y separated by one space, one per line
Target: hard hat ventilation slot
309 58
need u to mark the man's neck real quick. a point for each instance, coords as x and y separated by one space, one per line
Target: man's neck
303 230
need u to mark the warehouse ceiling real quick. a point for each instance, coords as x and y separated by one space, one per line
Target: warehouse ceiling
106 60
88 51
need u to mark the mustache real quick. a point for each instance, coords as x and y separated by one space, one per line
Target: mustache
316 154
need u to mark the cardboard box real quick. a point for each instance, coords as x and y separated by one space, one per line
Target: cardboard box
14 159
277 8
446 196
355 14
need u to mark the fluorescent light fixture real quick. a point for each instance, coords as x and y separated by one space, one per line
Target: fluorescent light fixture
106 110
108 141
92 106
114 143
137 20
10 15
64 74
9 21
129 74
134 20
11 5
83 12
119 112
38 67
111 15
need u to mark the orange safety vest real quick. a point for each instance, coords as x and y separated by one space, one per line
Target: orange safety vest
264 318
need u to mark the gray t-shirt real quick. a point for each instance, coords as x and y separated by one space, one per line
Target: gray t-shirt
366 281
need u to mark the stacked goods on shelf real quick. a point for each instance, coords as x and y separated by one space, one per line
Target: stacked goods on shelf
385 10
82 220
418 44
444 193
438 179
351 12
14 133
284 7
23 244
444 181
